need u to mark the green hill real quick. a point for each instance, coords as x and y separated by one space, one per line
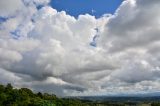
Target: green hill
25 97
10 96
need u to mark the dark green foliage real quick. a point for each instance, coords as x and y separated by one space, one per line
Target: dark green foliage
155 104
25 97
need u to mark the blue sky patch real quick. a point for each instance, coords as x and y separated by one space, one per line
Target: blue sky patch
92 7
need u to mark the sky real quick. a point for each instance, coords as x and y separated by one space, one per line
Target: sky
93 7
68 53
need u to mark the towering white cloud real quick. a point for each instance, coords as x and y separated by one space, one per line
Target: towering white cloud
10 7
50 51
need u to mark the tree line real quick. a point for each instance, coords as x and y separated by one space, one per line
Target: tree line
10 96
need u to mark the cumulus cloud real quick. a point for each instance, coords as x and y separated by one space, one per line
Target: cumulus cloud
10 7
50 51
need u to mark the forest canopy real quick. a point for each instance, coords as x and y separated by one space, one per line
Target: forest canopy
10 96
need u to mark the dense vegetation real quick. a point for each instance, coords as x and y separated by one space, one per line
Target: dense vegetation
25 97
10 96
